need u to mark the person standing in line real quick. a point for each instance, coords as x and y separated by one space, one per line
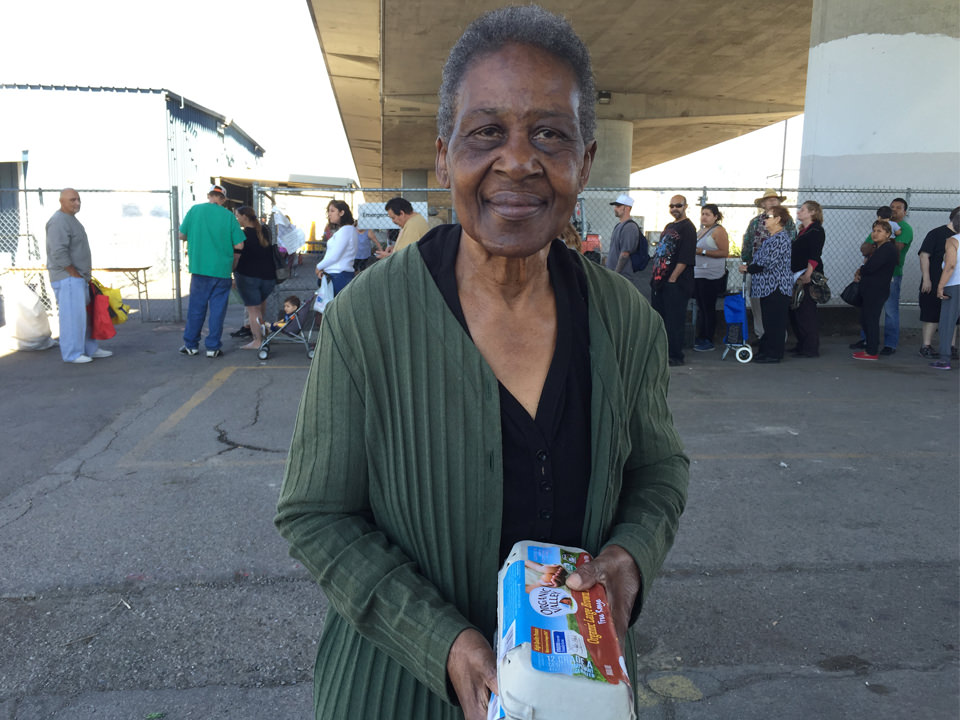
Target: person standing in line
255 274
69 265
413 225
931 266
806 256
212 233
337 261
672 276
625 239
874 278
891 310
948 290
752 240
772 283
710 274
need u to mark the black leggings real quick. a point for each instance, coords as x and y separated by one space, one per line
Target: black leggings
706 292
774 309
870 312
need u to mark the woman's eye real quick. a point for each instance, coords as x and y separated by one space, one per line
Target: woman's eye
548 134
488 132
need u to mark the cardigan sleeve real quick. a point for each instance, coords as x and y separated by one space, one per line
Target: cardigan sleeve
655 475
324 513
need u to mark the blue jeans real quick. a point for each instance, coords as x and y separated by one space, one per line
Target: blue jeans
340 281
206 291
73 295
891 315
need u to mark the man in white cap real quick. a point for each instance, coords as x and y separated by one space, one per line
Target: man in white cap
624 240
212 233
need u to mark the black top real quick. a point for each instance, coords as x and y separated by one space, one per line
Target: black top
546 460
876 272
678 244
935 245
808 246
256 260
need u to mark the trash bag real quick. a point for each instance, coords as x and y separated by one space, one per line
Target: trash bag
30 327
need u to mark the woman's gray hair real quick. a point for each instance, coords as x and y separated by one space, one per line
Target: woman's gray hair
527 25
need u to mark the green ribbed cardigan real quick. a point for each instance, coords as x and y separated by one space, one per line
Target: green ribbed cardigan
393 487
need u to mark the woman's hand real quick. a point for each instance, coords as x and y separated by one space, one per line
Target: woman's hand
472 668
743 268
319 273
856 275
940 293
618 573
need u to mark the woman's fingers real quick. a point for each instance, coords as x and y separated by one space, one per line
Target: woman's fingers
472 668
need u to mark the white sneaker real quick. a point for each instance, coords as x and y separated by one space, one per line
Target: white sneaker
81 359
101 353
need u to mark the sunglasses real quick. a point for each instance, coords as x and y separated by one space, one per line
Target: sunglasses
676 205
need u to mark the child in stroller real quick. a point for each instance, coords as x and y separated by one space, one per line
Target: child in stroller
290 307
296 325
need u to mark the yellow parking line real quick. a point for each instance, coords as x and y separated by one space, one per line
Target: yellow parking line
212 385
179 414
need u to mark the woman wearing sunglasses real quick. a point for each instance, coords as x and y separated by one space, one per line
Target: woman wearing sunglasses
772 282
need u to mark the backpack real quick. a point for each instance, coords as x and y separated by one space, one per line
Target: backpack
641 256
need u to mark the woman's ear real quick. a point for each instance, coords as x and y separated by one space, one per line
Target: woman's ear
443 177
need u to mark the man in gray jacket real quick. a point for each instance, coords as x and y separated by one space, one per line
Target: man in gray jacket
69 265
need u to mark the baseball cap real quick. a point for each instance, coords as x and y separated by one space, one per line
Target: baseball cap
623 199
216 189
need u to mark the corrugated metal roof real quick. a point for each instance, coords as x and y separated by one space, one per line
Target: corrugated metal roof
169 94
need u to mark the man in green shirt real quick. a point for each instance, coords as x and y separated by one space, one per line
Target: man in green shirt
891 311
211 233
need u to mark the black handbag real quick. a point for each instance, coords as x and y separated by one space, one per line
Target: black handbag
279 265
851 294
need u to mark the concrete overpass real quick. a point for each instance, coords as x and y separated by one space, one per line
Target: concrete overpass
681 76
686 75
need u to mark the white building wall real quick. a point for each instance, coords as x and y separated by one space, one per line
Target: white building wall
883 110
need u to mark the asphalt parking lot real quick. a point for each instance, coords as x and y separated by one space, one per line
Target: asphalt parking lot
815 573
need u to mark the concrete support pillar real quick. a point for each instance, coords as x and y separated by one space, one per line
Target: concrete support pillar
414 179
611 167
882 103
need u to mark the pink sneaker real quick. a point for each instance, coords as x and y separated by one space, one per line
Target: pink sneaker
864 355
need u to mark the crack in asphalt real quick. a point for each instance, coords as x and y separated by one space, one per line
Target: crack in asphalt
233 445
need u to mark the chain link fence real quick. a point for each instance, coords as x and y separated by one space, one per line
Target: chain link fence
848 216
126 229
138 229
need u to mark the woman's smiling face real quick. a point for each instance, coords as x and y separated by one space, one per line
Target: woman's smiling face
515 160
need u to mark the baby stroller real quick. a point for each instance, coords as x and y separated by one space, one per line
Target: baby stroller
735 313
299 329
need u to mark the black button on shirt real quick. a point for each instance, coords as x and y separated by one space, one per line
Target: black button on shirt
546 460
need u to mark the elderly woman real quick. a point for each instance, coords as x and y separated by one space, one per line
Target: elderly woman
772 283
874 278
488 387
805 257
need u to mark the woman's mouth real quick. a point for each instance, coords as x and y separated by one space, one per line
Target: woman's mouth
514 205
